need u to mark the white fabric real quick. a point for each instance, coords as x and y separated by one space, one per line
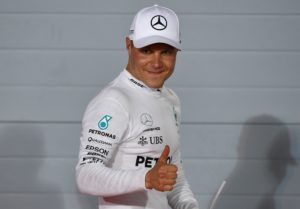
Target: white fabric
124 130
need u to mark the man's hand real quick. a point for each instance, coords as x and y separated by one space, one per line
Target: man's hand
162 176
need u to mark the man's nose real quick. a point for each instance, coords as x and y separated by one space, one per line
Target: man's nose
157 61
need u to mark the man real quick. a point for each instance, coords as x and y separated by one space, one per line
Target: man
129 154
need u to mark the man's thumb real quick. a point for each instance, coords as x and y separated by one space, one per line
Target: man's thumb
164 155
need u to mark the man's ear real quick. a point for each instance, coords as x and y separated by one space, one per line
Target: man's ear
128 43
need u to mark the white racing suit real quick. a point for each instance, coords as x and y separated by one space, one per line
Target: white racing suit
124 130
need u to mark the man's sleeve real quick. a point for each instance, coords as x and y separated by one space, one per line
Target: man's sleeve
104 125
181 197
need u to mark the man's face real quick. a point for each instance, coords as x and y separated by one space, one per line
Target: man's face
152 64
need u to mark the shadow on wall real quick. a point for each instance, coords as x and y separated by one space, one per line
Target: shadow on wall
264 154
22 184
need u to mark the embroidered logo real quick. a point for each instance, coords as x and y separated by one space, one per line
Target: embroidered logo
175 116
159 22
146 119
103 123
143 141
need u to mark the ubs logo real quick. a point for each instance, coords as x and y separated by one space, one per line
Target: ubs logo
146 119
143 141
159 22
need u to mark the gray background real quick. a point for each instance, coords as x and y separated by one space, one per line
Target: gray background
238 78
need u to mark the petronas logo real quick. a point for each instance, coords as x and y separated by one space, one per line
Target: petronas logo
103 123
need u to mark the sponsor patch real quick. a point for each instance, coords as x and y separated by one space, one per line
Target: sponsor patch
101 133
148 162
103 123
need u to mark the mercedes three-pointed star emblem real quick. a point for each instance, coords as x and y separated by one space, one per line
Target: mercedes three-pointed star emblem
146 119
159 22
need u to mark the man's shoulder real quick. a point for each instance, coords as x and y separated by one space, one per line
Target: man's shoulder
112 93
171 93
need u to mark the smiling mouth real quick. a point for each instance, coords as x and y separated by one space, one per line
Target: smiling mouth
154 72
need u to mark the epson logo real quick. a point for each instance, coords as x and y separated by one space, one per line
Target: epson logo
97 149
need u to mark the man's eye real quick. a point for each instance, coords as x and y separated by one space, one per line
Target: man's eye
146 51
168 52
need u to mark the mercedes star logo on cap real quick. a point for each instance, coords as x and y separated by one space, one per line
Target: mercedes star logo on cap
159 22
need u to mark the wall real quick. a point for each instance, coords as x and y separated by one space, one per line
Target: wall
238 77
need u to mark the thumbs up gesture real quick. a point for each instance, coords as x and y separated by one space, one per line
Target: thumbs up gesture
162 176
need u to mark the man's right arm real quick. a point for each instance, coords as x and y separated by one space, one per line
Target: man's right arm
103 127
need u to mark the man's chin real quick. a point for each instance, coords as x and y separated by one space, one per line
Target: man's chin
154 85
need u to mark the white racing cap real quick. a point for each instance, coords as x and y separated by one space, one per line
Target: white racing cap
155 24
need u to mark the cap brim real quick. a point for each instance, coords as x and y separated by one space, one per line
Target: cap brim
155 39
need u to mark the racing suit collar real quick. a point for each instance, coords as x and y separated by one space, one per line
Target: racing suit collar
139 84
